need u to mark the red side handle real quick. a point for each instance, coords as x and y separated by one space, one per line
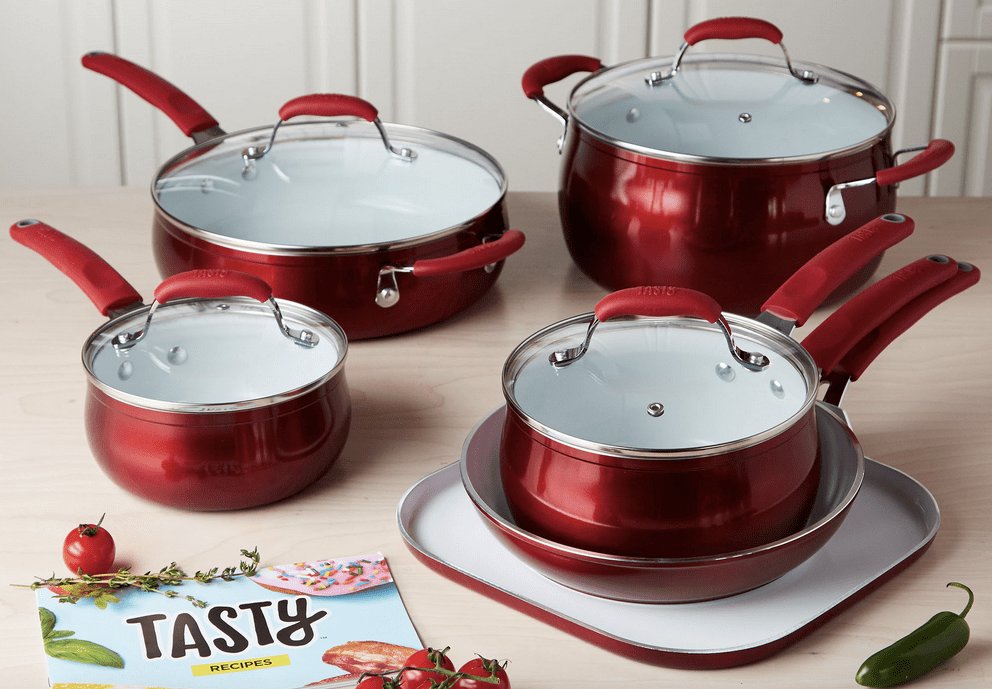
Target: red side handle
105 287
554 69
328 105
802 294
658 301
470 259
861 355
937 152
211 283
841 331
188 115
733 28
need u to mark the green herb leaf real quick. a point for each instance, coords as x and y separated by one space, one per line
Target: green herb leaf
59 634
80 651
47 622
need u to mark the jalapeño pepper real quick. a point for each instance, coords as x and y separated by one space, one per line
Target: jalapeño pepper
919 652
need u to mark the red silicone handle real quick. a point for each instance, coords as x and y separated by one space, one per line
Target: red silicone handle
212 284
733 28
105 287
802 294
188 115
470 259
554 69
658 301
849 324
937 152
328 105
861 355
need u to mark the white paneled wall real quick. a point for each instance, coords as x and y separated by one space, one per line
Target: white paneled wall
450 65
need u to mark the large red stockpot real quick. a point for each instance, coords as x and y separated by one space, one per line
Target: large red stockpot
204 400
681 431
384 227
721 173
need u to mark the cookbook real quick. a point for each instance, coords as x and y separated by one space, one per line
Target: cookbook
319 623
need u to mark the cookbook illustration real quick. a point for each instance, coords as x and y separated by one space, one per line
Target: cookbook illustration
323 622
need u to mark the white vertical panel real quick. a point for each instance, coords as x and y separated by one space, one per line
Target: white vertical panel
964 115
58 129
967 19
456 65
240 59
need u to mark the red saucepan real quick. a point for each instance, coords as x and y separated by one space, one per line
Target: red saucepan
686 579
384 227
678 431
721 173
214 397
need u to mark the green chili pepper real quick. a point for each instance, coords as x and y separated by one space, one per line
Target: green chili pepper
919 652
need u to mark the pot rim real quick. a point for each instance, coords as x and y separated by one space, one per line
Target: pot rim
317 131
839 79
289 309
783 345
608 559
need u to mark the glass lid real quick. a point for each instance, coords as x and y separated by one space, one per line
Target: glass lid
328 185
214 354
730 108
658 384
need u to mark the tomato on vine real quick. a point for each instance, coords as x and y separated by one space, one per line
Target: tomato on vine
415 677
89 549
482 667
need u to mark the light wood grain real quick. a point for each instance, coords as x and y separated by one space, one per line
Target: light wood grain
924 407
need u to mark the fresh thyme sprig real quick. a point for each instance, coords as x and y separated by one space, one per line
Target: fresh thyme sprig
95 586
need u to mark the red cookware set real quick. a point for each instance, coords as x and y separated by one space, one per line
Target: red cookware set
670 446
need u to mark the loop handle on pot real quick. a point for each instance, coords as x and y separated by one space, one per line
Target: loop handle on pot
731 28
933 155
485 255
799 296
324 105
660 302
188 115
830 342
215 284
549 71
105 287
860 356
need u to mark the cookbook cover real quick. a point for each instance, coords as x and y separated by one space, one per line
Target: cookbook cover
285 627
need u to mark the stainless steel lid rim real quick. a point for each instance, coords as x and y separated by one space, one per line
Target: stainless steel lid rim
841 81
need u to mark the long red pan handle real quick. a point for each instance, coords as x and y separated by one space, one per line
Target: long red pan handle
105 287
937 152
806 290
188 115
553 69
472 258
864 352
849 324
212 284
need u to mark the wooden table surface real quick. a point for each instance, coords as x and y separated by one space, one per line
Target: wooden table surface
924 407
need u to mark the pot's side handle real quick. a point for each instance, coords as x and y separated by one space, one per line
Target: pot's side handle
800 295
553 69
733 28
864 352
847 326
937 152
475 257
188 115
328 105
104 286
210 283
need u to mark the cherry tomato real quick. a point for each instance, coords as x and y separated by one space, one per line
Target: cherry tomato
89 548
481 667
373 682
425 658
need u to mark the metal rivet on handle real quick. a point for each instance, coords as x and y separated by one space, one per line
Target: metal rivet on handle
745 117
656 409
